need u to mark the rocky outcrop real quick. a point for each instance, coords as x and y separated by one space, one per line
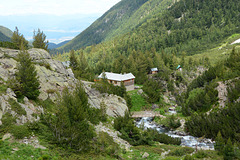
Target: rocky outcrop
32 111
115 105
52 74
222 93
114 134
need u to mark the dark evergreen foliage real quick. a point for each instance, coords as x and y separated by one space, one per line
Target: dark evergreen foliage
39 40
18 39
26 81
226 120
8 45
70 126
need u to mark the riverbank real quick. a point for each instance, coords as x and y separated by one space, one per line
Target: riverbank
186 140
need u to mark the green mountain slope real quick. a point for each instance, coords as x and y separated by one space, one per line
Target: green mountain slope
120 19
7 32
4 38
186 28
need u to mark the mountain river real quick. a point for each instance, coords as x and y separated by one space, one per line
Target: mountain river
186 140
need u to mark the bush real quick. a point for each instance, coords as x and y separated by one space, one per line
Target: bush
106 146
7 122
19 132
201 154
17 107
44 157
163 138
181 151
188 157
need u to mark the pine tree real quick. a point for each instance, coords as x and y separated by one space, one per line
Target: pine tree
219 145
39 40
228 152
103 111
18 39
71 126
83 65
26 76
73 61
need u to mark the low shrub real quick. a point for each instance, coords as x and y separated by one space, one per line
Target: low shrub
17 107
7 122
181 151
19 132
106 146
188 157
163 138
201 154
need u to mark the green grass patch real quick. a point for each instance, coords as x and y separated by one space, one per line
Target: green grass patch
207 154
138 102
3 88
181 151
18 151
7 122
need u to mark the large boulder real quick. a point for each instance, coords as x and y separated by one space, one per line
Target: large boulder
116 106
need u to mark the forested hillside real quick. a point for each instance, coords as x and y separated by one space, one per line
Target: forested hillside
5 34
120 19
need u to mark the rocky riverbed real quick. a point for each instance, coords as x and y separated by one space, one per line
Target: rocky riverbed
186 140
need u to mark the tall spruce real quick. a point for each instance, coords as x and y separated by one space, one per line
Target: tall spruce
73 61
39 40
26 76
228 152
18 39
70 126
219 145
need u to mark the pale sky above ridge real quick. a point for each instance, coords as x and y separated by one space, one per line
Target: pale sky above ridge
54 7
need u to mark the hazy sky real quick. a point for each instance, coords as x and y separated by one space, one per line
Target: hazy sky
54 7
60 20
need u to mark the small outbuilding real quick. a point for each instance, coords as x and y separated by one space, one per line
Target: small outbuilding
116 79
154 70
179 68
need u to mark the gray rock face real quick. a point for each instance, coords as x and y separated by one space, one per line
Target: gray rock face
115 105
222 93
114 134
55 78
52 76
32 111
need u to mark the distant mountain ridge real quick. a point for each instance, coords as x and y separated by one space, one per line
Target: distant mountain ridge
54 45
120 19
5 34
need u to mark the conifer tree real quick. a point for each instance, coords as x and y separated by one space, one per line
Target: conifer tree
71 126
219 145
73 61
39 40
228 153
18 39
26 76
